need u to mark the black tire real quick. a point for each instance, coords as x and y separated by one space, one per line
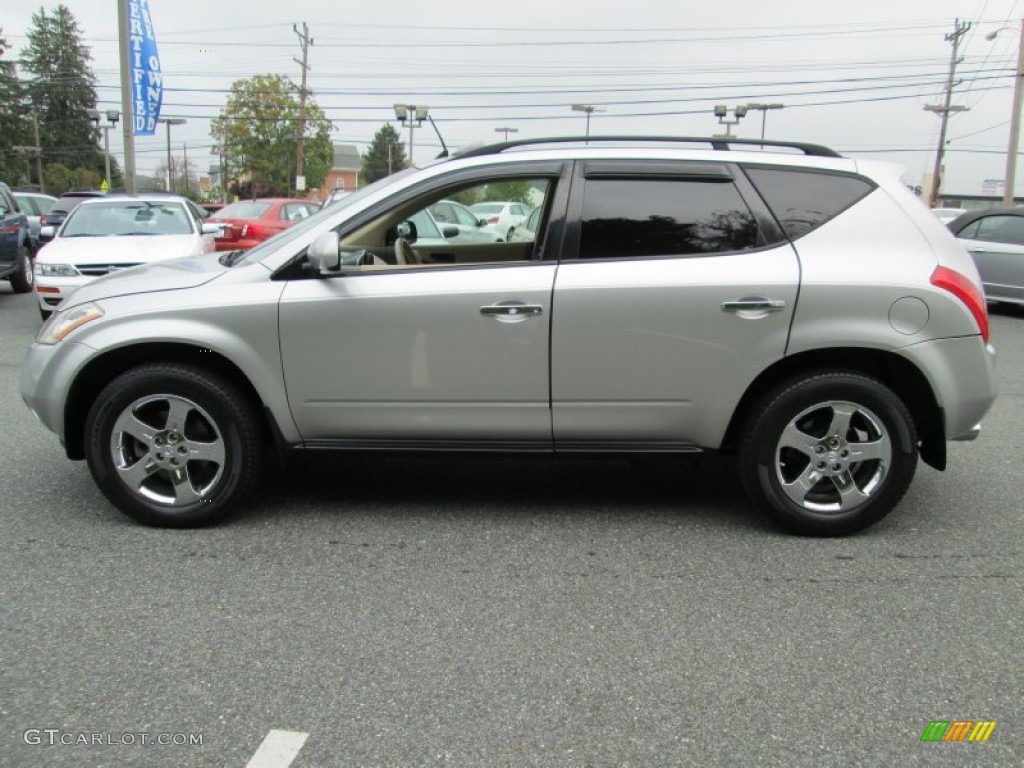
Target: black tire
834 417
179 489
24 279
508 235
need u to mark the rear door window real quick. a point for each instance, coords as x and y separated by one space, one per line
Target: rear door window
996 229
638 217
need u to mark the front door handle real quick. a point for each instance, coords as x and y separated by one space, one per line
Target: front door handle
754 304
512 310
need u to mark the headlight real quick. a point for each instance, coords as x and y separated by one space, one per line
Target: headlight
56 270
64 322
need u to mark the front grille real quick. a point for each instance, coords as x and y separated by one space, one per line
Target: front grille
98 270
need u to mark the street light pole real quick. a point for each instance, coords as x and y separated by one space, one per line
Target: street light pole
414 114
1010 177
506 131
169 121
112 118
764 113
589 109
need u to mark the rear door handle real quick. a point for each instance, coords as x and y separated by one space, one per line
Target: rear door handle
756 304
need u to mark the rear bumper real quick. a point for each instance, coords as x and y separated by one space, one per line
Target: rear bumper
971 434
962 374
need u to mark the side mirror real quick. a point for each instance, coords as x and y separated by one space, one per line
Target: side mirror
449 232
407 230
47 232
481 222
212 229
324 253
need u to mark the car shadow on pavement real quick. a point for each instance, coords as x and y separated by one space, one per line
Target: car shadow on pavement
705 488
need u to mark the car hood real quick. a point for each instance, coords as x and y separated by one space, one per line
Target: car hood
169 275
120 249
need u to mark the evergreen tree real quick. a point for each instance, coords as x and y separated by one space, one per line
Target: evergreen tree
62 90
12 120
377 161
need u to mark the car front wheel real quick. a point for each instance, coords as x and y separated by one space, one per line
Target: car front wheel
829 454
173 445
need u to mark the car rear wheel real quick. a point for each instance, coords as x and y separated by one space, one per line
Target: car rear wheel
24 279
829 454
173 445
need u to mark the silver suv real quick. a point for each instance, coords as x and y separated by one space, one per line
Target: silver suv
799 311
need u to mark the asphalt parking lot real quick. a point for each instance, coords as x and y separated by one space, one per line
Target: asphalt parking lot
474 612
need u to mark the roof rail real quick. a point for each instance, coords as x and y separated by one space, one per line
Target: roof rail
716 142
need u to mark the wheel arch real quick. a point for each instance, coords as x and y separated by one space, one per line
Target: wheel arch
896 372
103 369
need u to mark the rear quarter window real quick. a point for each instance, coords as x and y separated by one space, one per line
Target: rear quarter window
804 200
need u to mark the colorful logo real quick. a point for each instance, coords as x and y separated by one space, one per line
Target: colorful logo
958 730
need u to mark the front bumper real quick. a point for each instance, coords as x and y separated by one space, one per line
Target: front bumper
51 290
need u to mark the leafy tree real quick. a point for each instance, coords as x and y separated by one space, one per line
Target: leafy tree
385 156
63 89
507 191
258 130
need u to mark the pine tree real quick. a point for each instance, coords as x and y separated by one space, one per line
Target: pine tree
12 119
377 161
62 90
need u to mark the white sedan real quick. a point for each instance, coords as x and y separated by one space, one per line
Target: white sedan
108 234
503 216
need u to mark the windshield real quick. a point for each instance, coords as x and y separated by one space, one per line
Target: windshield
316 220
127 217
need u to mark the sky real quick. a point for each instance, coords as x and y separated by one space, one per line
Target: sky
852 76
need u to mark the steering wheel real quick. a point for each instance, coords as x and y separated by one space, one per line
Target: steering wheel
404 254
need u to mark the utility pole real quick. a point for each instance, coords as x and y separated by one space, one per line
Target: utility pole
184 149
128 124
305 41
959 30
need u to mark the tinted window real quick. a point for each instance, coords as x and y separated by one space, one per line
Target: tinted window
802 200
663 217
997 229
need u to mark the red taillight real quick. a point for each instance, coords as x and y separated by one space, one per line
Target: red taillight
11 230
252 232
494 220
965 290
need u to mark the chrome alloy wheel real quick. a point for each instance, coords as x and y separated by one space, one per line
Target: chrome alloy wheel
167 449
833 457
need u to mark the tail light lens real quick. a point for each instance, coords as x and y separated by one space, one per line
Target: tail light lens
252 231
494 220
965 290
9 230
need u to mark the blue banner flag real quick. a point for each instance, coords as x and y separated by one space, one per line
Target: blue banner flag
147 79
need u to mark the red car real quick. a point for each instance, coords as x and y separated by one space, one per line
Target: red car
250 222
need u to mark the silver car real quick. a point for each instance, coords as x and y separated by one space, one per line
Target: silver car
995 240
798 312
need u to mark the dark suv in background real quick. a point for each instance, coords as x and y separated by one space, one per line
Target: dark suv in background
15 243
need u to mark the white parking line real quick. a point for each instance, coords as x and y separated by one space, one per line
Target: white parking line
278 749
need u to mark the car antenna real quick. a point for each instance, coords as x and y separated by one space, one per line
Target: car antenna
444 150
